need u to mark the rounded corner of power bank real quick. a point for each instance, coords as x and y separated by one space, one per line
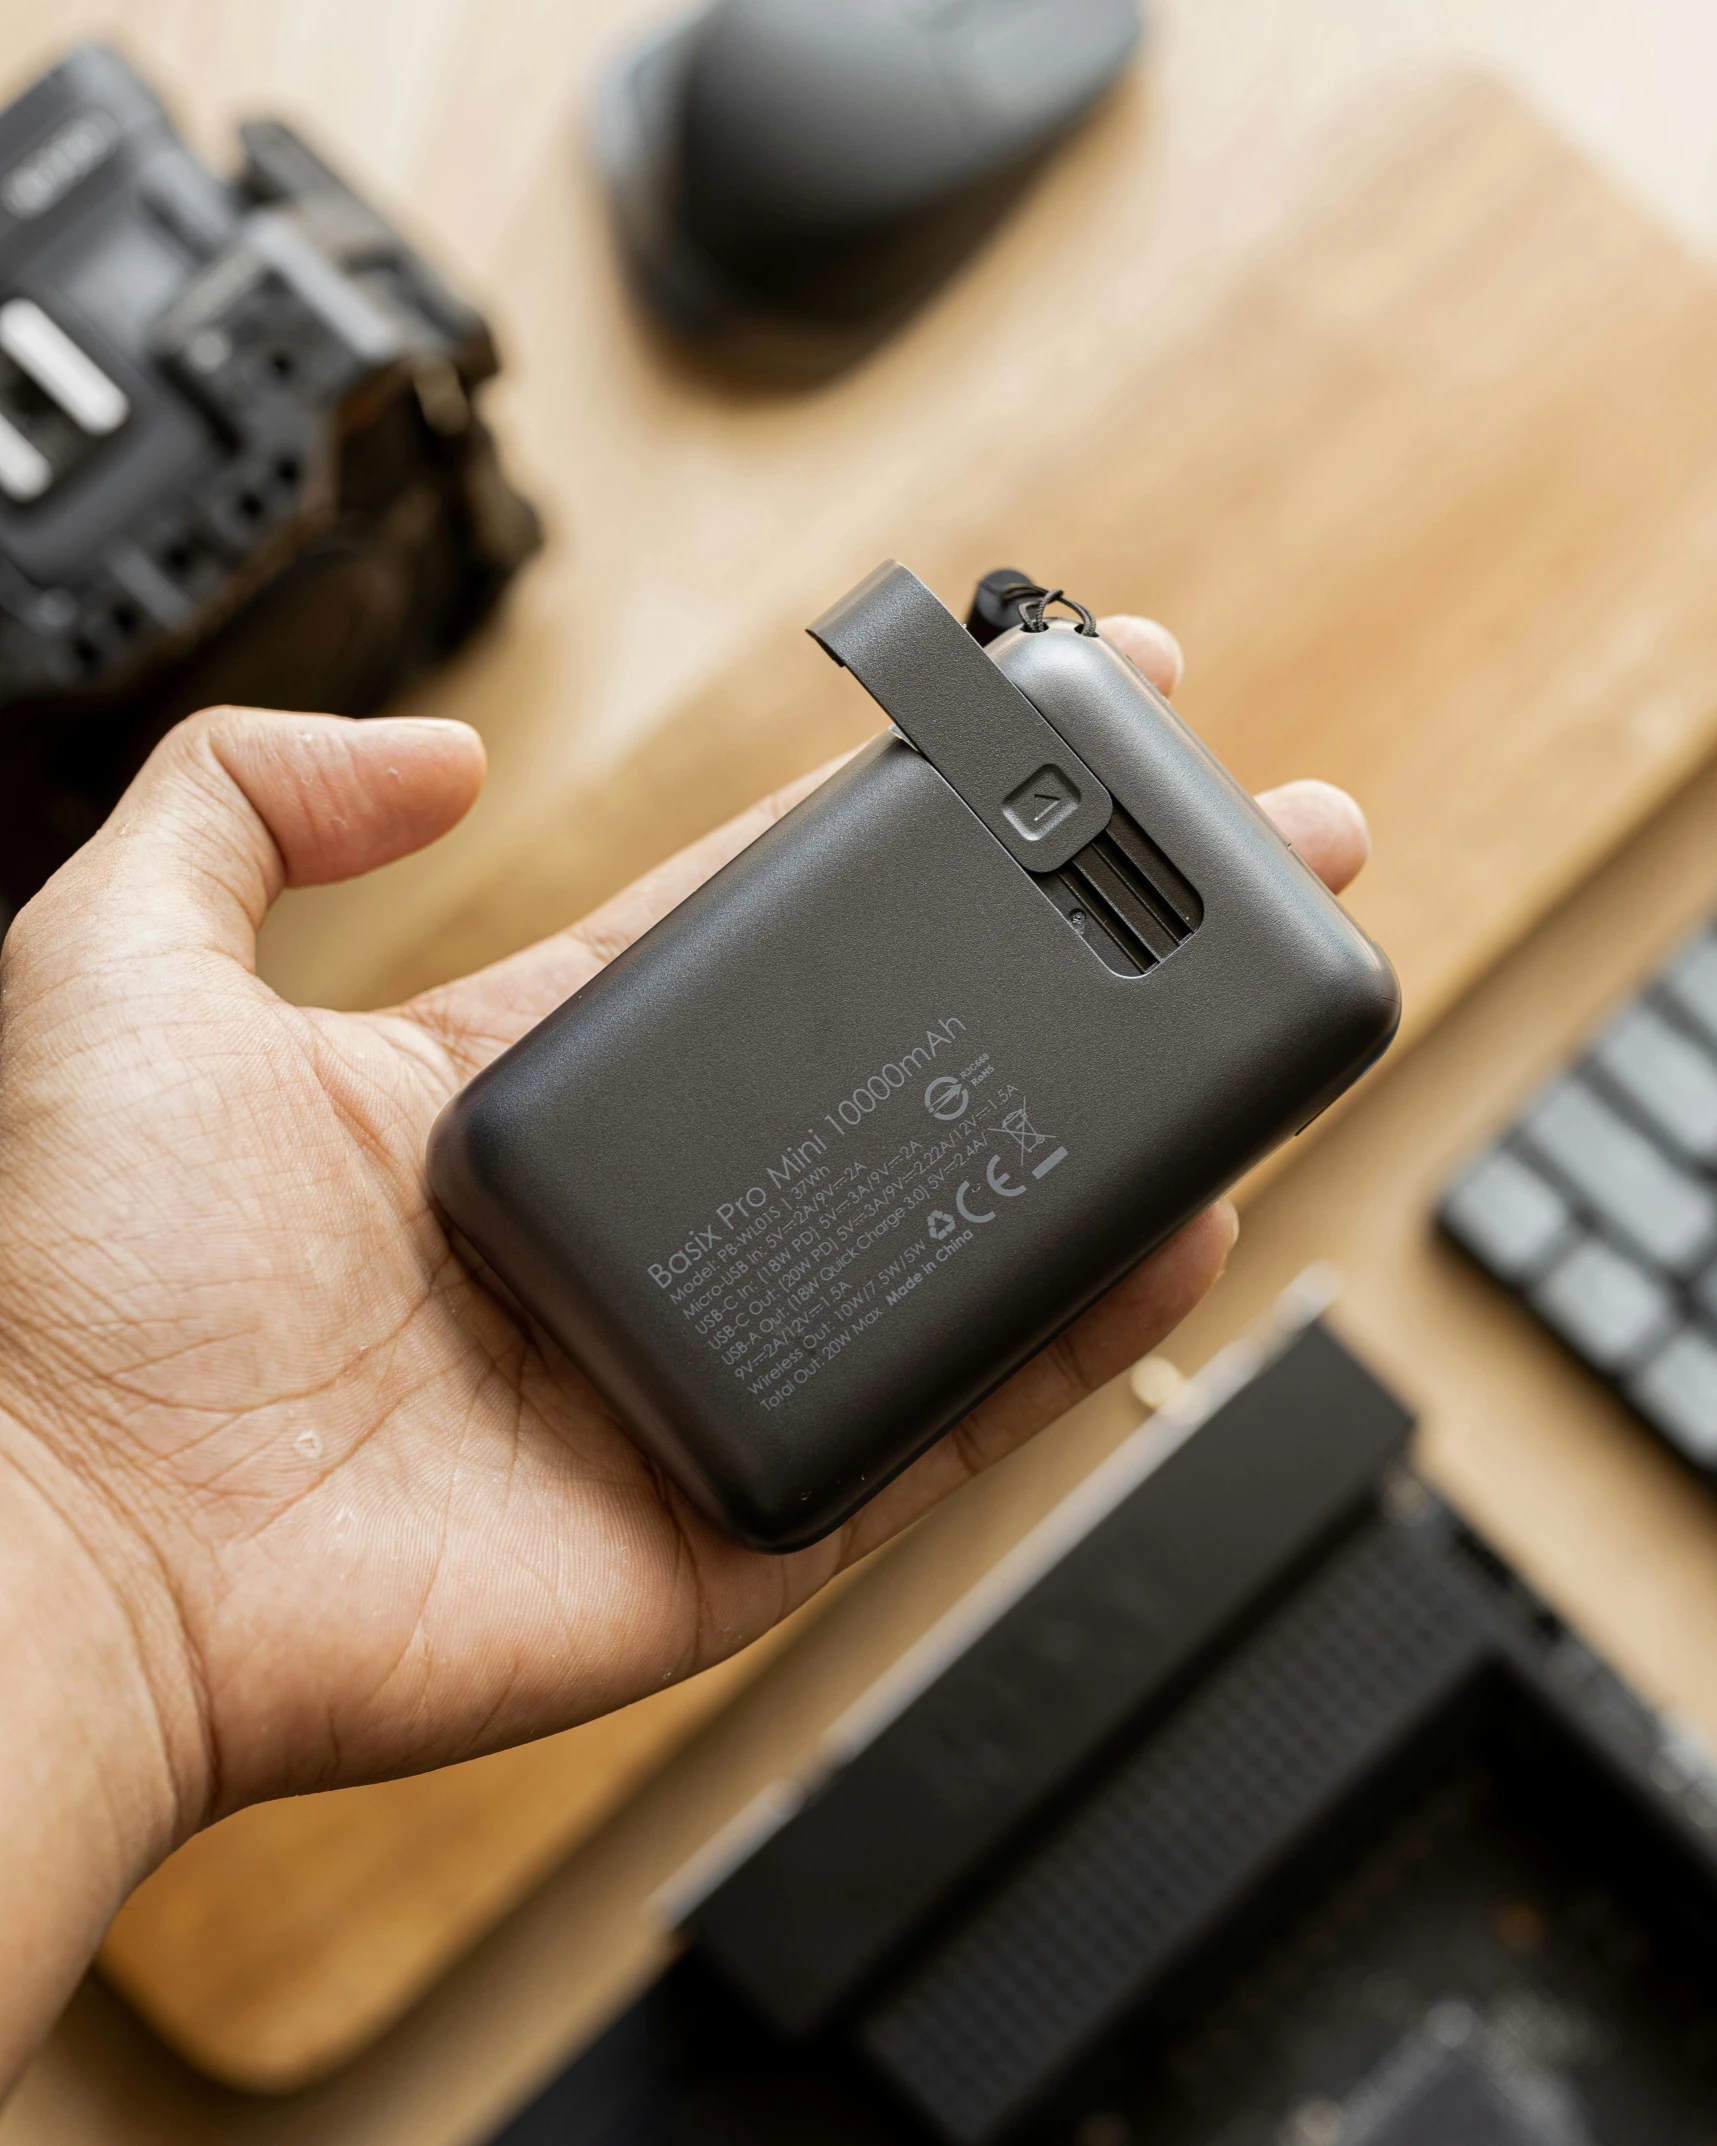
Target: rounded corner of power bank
1389 1004
465 1159
1062 653
741 1519
775 1526
774 1538
445 1162
1358 1014
1367 999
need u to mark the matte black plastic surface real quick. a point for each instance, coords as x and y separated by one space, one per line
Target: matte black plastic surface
996 601
1391 1858
864 1123
808 1918
1191 1824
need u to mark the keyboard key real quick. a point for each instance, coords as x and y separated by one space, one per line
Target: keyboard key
1691 981
1613 1312
1507 1216
1632 1185
1667 1078
1677 1391
1600 1203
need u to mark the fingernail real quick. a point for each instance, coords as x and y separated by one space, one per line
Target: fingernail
436 725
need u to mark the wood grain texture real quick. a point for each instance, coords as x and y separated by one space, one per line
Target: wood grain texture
273 1946
1430 491
1430 496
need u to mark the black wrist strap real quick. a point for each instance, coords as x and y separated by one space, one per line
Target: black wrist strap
979 732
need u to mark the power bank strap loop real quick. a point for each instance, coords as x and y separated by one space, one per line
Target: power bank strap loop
1034 603
979 732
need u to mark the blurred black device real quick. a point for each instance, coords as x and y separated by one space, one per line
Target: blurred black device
238 455
1599 1205
790 179
1252 1801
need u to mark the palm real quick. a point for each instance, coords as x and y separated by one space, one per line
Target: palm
384 1501
395 1526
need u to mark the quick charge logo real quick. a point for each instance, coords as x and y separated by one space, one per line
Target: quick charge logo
947 1098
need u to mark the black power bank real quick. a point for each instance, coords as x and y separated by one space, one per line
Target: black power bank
880 1109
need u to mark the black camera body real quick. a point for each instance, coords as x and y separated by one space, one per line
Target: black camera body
239 459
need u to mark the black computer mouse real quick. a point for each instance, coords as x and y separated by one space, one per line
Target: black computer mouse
790 178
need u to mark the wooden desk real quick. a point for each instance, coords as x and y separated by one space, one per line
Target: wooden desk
1442 453
1433 484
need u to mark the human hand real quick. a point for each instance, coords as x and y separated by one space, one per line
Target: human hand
287 1498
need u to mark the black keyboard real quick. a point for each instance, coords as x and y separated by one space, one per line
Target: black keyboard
1599 1205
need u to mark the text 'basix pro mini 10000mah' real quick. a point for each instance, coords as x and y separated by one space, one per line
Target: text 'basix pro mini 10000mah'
880 1109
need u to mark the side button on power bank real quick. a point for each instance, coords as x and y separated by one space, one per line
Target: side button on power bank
874 1114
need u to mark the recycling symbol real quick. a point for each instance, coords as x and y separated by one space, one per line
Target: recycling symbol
942 1225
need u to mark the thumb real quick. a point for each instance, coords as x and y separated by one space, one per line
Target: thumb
237 803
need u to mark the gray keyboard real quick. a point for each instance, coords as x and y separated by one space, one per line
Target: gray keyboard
1599 1205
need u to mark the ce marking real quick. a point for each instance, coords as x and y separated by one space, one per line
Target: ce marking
999 1182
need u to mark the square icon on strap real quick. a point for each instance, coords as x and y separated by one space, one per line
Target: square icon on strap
1038 807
